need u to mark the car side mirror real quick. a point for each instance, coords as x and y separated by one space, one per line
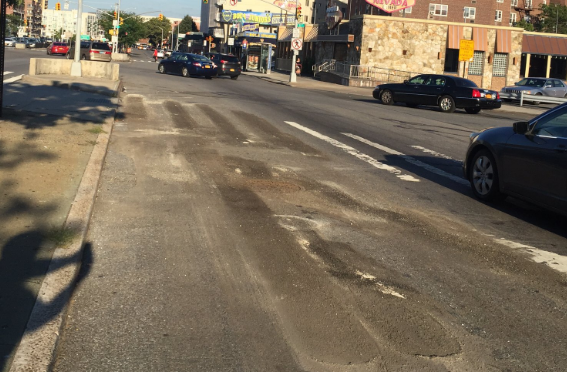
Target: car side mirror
406 82
521 127
516 84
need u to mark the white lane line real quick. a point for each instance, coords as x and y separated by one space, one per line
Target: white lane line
355 152
7 73
435 153
553 260
11 80
410 160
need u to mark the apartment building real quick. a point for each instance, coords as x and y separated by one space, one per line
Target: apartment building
66 22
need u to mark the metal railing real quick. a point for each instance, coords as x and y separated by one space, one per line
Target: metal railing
522 97
380 74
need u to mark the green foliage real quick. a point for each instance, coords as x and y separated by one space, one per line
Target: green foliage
58 35
187 25
553 18
133 26
14 2
12 23
154 28
525 25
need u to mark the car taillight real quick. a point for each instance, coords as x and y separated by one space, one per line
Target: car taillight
223 61
497 95
107 52
196 64
94 51
476 93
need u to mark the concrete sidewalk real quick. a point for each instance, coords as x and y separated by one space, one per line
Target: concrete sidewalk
278 77
52 144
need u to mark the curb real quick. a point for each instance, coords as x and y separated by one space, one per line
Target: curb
36 349
77 86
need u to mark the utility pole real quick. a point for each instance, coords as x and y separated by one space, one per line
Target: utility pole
293 76
76 66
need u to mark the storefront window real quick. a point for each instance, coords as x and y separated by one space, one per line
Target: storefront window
500 64
451 60
477 64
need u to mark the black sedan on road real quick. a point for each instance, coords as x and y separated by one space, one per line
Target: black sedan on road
527 160
447 92
188 64
226 65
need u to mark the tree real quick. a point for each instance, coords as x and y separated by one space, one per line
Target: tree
58 35
525 25
187 25
130 32
553 18
154 28
13 21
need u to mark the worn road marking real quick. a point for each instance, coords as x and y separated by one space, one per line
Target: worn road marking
7 73
435 153
553 260
355 152
410 160
15 78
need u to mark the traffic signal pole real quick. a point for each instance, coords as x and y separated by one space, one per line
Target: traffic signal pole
76 66
293 76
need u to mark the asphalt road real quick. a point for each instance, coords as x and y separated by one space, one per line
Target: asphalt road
251 226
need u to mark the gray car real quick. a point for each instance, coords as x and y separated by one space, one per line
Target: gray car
91 51
539 87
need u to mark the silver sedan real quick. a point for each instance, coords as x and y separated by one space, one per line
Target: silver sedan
539 87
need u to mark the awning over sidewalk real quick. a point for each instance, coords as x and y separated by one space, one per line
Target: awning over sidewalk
503 41
479 38
546 45
454 36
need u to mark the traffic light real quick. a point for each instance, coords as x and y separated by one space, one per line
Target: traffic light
115 15
121 21
58 6
298 12
160 17
25 22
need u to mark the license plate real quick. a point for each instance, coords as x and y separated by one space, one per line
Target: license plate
207 66
489 96
231 69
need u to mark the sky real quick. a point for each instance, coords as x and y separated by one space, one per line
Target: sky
169 8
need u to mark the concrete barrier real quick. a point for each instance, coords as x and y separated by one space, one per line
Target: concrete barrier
20 46
51 66
120 57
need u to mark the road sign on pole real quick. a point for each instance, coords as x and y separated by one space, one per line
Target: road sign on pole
466 50
296 44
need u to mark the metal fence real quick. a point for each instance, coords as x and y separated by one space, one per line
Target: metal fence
362 72
522 97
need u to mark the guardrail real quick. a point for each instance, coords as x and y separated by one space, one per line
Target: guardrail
522 97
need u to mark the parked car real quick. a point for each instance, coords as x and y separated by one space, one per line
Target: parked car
33 42
539 87
57 48
23 40
92 51
10 42
227 64
168 52
447 92
527 160
161 53
188 64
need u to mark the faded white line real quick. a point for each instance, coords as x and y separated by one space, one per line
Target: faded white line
352 151
553 260
11 80
409 159
435 153
7 73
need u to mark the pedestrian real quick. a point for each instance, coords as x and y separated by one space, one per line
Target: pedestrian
155 55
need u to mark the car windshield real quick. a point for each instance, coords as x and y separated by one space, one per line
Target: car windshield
229 58
200 58
531 83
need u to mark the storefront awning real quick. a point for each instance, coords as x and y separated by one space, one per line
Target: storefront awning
546 45
454 36
479 36
503 41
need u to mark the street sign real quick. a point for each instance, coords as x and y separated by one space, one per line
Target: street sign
233 2
466 50
115 22
114 39
295 32
296 44
231 41
301 25
117 27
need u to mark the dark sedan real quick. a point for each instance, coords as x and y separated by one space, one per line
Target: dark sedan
188 64
527 160
447 92
226 65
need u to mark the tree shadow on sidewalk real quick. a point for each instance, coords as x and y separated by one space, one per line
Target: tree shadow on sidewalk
25 260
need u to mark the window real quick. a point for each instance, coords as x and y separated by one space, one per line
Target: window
451 60
307 3
500 64
512 18
498 16
528 3
558 84
552 125
514 3
438 10
408 10
499 1
477 64
437 81
469 13
420 80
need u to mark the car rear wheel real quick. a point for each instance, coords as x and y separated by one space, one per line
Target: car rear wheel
68 55
387 97
483 176
161 69
537 102
184 72
447 104
472 110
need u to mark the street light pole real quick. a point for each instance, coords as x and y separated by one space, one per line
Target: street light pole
293 76
76 66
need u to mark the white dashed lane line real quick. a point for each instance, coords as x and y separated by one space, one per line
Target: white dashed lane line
410 159
354 152
7 73
436 154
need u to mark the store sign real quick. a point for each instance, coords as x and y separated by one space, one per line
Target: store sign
236 16
250 27
279 19
391 6
265 35
334 17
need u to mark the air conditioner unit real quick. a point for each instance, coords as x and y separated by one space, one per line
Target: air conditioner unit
432 12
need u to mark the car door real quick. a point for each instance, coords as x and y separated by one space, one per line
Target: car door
560 89
535 164
433 88
410 92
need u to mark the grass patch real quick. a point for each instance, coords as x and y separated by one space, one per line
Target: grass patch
60 236
96 130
